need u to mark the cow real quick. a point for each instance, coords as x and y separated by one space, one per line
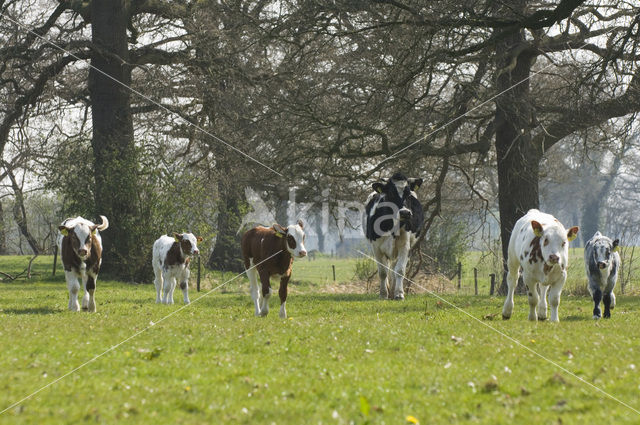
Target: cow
392 220
269 252
602 262
539 246
80 247
171 257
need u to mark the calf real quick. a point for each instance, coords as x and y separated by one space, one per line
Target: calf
539 245
80 247
393 219
171 264
602 262
269 252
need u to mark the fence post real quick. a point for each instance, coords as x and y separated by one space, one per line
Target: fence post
198 281
493 283
334 273
459 274
55 258
475 279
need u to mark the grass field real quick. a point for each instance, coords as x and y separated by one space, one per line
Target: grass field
340 358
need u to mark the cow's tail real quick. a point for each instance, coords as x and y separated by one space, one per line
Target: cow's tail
104 225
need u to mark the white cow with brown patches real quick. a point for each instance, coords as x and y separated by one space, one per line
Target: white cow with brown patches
171 257
80 247
539 246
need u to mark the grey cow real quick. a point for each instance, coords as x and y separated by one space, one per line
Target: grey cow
602 263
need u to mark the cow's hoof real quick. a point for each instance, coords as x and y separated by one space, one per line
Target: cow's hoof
607 316
399 298
505 317
543 318
264 313
596 317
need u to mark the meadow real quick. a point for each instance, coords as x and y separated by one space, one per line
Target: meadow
340 358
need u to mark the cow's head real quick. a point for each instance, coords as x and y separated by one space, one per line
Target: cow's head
399 203
603 248
554 242
80 237
188 243
294 235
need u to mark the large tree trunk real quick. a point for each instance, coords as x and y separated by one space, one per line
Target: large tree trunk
113 146
227 254
3 232
518 159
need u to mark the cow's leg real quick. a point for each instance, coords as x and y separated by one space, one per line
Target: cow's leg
542 304
284 281
266 292
555 291
383 271
74 287
90 289
597 297
184 285
157 271
512 280
174 282
256 295
167 280
533 296
85 297
606 300
400 269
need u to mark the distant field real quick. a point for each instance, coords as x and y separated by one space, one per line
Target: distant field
317 274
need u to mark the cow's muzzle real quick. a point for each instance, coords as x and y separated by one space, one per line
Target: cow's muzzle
405 214
602 265
554 259
303 254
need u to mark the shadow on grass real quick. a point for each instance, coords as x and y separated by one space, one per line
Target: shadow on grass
32 310
576 318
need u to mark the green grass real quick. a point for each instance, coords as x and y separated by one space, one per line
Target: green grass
339 359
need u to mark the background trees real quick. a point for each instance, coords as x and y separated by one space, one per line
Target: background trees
500 108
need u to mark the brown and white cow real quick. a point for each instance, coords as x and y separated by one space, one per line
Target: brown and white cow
269 252
80 247
539 246
171 264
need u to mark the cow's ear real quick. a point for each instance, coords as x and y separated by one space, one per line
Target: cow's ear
616 245
301 224
572 233
537 228
378 187
93 229
177 236
414 184
280 231
64 231
199 238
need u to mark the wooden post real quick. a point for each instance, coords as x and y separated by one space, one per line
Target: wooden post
334 273
55 258
475 279
493 283
459 274
198 281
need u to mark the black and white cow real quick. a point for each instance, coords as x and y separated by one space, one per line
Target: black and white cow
393 219
602 262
